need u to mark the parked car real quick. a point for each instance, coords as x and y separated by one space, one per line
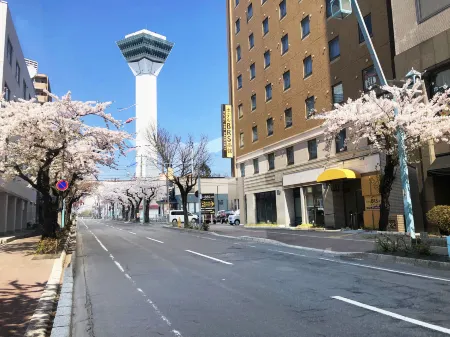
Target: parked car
235 218
174 215
223 216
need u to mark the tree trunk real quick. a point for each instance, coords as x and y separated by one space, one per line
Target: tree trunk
68 220
387 179
146 210
184 196
124 213
133 212
50 216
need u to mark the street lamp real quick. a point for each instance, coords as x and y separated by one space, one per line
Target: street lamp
340 9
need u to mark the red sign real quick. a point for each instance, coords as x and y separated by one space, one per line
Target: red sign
62 185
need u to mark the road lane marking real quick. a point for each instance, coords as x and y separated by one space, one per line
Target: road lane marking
132 232
119 266
154 240
202 237
388 270
280 251
101 244
320 237
209 257
368 266
394 315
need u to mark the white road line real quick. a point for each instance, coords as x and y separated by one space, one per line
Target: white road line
101 244
394 315
177 333
388 270
119 266
209 257
280 251
320 237
202 237
154 240
132 233
369 267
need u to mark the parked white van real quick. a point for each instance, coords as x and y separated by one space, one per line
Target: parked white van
175 214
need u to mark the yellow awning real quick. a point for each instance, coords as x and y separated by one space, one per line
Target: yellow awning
337 173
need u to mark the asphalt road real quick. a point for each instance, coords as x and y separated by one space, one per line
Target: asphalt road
132 280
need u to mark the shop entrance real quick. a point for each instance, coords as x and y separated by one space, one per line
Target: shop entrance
297 207
314 205
266 207
353 204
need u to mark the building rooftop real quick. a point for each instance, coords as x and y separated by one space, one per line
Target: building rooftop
145 44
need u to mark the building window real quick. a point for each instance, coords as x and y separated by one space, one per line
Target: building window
340 141
239 82
242 166
251 41
370 78
255 166
288 118
426 8
286 80
9 52
249 12
268 92
334 49
290 155
267 59
253 99
263 2
368 22
269 125
283 9
240 111
265 26
24 85
241 139
271 160
305 27
312 149
284 44
310 106
237 26
254 133
236 2
7 93
252 71
17 73
338 93
307 67
238 53
328 4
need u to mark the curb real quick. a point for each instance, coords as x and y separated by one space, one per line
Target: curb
40 322
263 240
402 260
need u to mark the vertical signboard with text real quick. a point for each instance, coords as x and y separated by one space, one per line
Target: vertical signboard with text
227 131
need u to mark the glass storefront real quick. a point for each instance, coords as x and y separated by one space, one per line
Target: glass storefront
266 207
297 207
314 205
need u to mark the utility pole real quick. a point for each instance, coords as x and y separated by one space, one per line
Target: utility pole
167 189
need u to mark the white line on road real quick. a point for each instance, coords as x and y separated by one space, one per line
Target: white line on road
388 270
119 266
320 237
154 240
369 267
202 237
96 238
209 257
132 232
394 315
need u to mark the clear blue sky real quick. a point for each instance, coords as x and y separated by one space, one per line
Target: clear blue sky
75 45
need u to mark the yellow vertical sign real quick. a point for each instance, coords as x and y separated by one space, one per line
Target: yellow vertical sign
227 131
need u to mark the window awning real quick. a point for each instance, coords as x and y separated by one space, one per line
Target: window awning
337 173
440 167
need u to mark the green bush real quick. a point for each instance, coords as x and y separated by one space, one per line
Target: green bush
440 217
205 226
402 244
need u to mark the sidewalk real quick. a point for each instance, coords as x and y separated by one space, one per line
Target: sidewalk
22 281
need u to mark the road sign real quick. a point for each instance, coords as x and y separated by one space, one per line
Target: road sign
207 203
62 185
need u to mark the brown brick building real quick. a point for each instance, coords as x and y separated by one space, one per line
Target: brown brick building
286 58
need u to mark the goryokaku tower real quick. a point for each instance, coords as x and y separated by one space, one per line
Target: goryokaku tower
145 52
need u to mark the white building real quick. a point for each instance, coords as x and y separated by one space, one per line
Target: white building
145 53
17 200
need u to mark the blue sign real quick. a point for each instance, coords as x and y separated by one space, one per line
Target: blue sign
62 185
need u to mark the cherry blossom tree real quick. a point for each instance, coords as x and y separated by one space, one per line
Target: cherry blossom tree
378 119
42 143
185 158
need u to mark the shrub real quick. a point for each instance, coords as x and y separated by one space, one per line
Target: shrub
402 244
440 217
48 246
205 226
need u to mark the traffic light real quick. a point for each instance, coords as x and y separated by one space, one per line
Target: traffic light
196 194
